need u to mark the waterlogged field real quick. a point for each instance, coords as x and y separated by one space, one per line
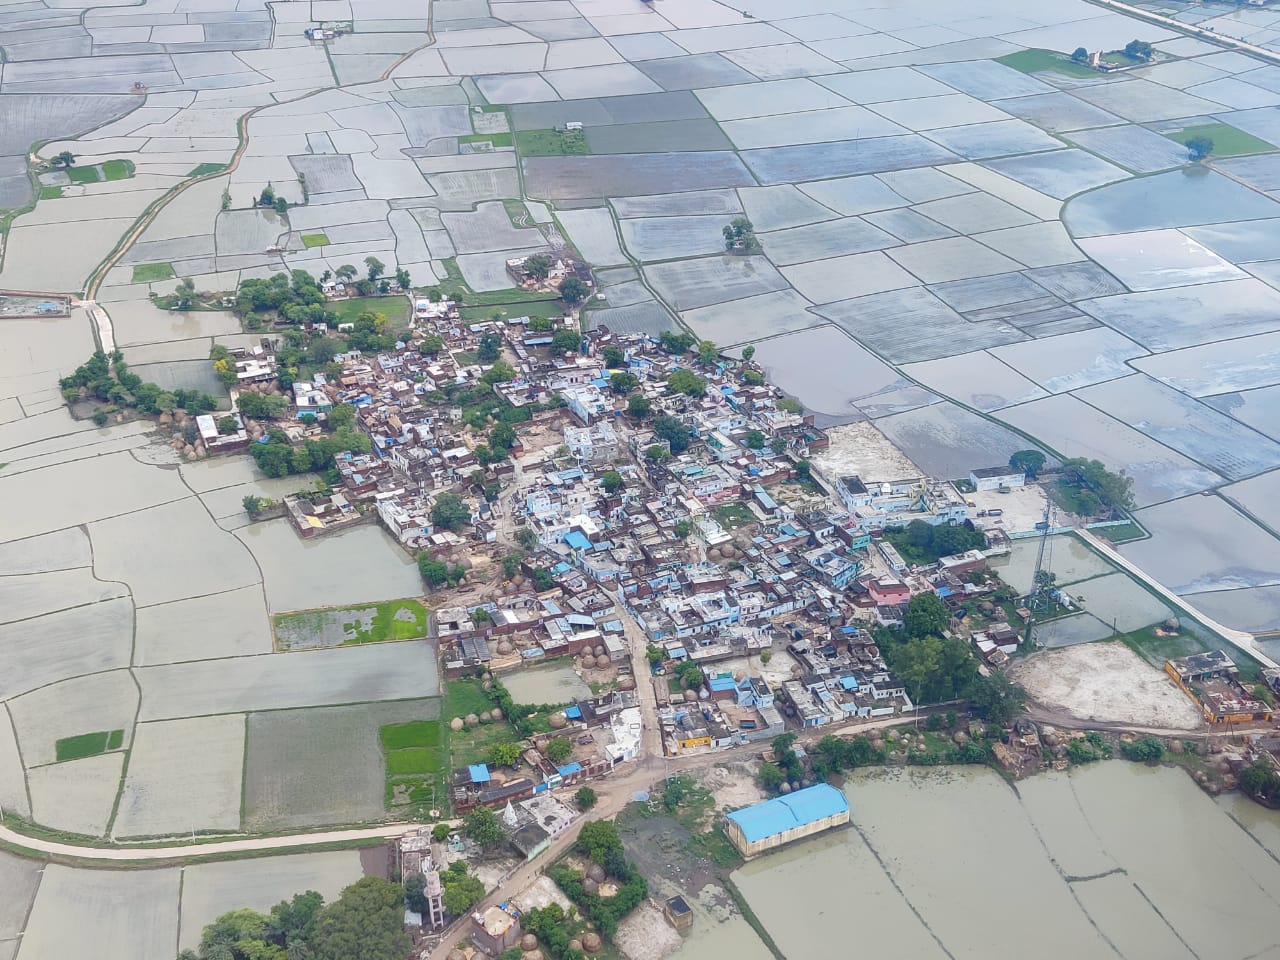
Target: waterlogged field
1082 858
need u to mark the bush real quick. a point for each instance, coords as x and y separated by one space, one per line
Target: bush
585 798
1143 750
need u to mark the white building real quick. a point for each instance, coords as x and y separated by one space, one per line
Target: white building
594 444
587 403
993 478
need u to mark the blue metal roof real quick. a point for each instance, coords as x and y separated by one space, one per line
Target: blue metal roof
479 773
569 769
789 811
574 712
578 540
721 683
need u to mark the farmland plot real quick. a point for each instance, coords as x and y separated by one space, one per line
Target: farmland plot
310 767
946 440
211 889
86 639
668 238
101 701
203 628
13 779
378 671
62 550
170 552
29 595
183 775
120 915
690 284
76 796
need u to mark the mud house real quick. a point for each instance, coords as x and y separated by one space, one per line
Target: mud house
1212 680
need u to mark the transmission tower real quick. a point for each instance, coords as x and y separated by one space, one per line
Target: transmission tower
1041 577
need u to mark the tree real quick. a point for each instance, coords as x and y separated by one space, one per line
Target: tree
778 445
748 352
415 897
341 417
227 426
566 341
441 831
918 663
804 470
281 205
1030 462
996 698
573 291
489 348
511 564
1080 55
1112 490
585 798
483 827
612 481
771 777
184 294
449 512
403 280
754 439
558 749
674 432
500 372
708 353
753 378
653 654
527 537
613 357
657 453
676 343
434 572
538 266
66 159
686 382
926 614
265 406
1199 147
267 198
597 839
375 267
1143 750
1139 50
639 406
480 616
623 383
683 530
461 893
740 235
365 923
539 324
346 272
504 754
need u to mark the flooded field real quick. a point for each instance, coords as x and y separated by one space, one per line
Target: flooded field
1081 865
550 684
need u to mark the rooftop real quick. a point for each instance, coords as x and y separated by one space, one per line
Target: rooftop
788 812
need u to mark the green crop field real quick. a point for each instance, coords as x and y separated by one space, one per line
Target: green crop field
417 733
83 174
464 696
526 308
117 170
550 143
1041 61
412 760
415 763
88 744
367 623
207 168
1228 141
151 272
310 240
50 193
395 309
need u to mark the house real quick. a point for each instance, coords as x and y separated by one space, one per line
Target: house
993 478
766 826
1212 681
496 929
587 403
595 444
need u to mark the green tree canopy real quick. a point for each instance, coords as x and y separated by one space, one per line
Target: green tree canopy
612 481
449 512
1030 462
482 826
565 341
573 291
926 614
686 382
639 406
538 266
504 754
558 749
365 923
597 839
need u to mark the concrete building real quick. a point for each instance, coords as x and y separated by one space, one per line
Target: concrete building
496 929
993 478
765 826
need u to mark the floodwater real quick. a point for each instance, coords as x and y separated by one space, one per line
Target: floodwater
1112 860
552 684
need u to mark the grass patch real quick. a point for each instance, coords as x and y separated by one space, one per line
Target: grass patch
205 169
404 736
1156 649
83 175
1123 533
496 139
88 744
310 240
50 193
412 760
465 696
393 307
151 272
492 108
551 143
472 746
733 515
1228 141
1043 61
466 358
527 308
117 170
495 298
390 620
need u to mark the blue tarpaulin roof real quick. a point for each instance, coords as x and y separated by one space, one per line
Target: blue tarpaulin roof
574 712
578 540
479 773
569 769
721 683
848 683
787 812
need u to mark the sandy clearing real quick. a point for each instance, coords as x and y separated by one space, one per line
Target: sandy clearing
1106 682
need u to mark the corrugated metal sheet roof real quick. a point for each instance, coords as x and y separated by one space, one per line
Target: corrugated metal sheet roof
787 812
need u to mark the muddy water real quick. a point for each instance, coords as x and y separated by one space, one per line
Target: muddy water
1114 860
553 684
